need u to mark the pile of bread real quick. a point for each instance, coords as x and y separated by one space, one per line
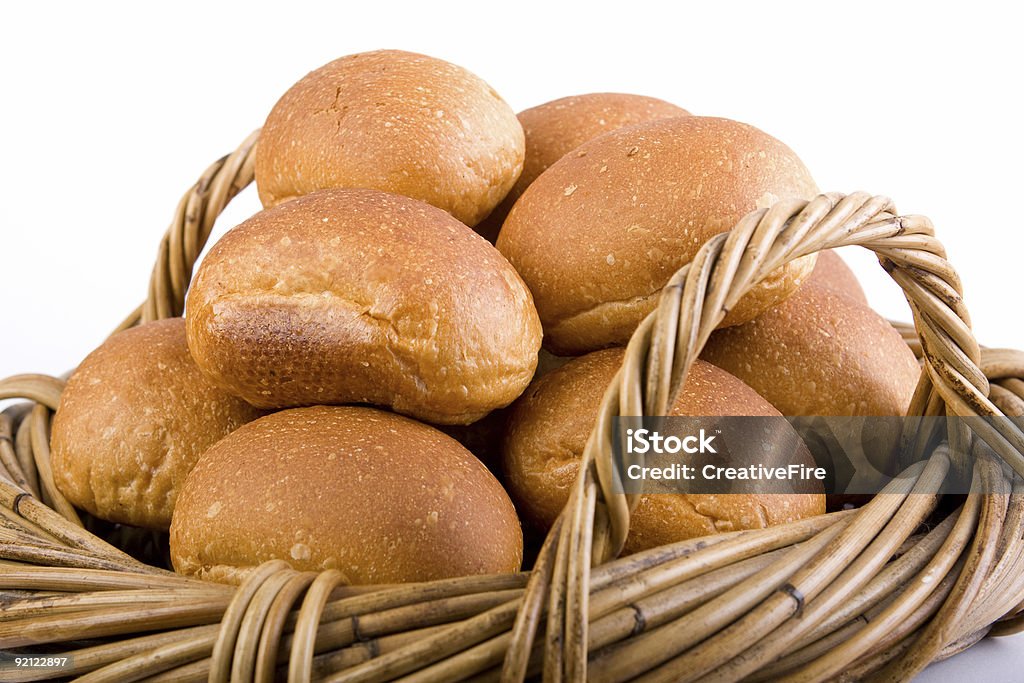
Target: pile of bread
358 382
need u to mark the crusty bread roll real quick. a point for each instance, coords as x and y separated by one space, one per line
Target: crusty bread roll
555 128
349 295
832 273
134 418
599 233
377 496
549 426
820 353
394 121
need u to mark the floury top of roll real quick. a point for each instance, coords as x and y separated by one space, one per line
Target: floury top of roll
600 232
394 121
375 495
553 129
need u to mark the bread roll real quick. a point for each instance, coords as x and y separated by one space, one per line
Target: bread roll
820 353
393 121
549 426
832 273
134 418
555 128
360 296
377 496
599 233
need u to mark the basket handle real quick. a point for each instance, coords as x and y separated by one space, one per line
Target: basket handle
593 527
190 229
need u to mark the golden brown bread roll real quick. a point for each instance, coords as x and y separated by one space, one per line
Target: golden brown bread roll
555 128
394 121
820 353
832 273
599 233
549 426
133 420
377 496
360 296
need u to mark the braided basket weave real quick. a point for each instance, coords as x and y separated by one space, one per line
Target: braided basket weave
875 593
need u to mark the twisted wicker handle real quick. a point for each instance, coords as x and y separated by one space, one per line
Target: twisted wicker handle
190 229
594 524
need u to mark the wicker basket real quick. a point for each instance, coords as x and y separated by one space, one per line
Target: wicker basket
875 593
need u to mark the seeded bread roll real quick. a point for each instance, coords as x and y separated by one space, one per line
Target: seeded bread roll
549 426
832 273
555 128
134 418
360 296
820 353
599 233
393 121
377 496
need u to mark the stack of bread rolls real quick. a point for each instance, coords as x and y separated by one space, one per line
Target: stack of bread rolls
419 242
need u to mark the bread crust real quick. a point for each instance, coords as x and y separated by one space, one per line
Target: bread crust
820 353
133 420
360 296
549 426
600 232
555 128
394 121
380 497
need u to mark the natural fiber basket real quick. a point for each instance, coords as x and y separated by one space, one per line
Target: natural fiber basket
875 593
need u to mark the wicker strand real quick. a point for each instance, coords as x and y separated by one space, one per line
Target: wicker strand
231 622
191 227
913 511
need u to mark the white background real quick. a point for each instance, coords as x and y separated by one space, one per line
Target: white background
109 113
